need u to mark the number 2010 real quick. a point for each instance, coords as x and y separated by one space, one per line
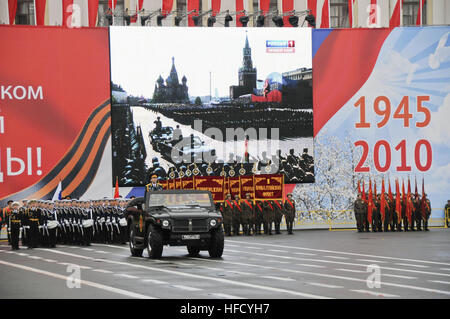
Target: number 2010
401 147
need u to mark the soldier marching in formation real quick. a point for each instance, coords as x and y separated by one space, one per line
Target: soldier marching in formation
393 219
251 217
42 223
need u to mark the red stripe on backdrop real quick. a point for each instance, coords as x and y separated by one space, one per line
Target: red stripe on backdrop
350 13
215 6
325 23
40 11
312 5
288 5
67 13
239 7
420 13
12 7
394 21
167 6
93 11
360 49
264 5
192 5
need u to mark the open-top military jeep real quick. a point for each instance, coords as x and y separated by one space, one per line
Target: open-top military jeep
175 218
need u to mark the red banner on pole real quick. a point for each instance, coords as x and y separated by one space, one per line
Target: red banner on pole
247 186
214 184
268 186
187 183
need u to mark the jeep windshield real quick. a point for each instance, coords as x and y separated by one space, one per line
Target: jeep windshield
180 199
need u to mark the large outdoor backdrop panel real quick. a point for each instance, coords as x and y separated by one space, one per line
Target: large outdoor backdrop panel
381 111
211 102
54 110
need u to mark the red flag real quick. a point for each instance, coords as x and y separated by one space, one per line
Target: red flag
359 188
116 191
325 23
93 11
420 12
383 201
140 4
395 19
112 4
375 187
408 202
398 204
390 192
192 5
264 6
370 203
40 11
403 191
350 13
12 8
422 202
364 192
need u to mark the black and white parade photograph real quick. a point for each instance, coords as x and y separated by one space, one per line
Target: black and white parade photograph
211 103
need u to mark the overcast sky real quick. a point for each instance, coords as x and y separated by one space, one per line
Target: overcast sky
139 55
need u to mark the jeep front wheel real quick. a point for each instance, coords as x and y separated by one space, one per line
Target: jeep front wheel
154 242
216 244
137 252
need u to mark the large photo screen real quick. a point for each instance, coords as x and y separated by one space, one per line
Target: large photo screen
211 102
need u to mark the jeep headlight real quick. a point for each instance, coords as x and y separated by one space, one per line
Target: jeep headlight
165 223
213 222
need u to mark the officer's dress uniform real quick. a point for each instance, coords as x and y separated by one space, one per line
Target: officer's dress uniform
14 226
34 228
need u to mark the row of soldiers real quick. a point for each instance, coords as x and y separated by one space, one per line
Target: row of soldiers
251 215
46 223
393 219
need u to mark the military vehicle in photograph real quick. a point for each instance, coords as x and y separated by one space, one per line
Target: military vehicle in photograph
175 218
170 149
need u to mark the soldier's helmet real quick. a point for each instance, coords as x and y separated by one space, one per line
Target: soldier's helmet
248 195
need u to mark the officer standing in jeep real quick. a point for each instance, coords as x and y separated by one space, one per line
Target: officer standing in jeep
154 185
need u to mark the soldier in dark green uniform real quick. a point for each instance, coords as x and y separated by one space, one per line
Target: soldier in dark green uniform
417 214
258 216
237 212
227 214
14 225
376 215
278 216
360 208
269 215
427 208
247 214
289 213
447 213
